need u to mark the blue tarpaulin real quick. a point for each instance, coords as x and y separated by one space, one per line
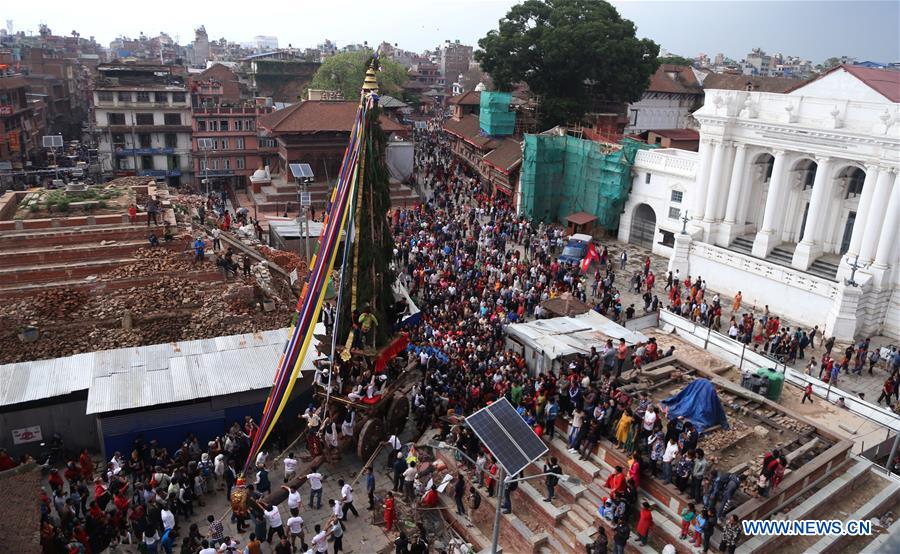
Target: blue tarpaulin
699 404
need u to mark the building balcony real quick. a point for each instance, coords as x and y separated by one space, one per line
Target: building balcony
159 172
124 152
146 128
234 110
215 172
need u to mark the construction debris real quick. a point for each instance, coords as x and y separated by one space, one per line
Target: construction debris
58 303
153 260
286 260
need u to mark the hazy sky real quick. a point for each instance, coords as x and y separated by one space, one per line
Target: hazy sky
811 29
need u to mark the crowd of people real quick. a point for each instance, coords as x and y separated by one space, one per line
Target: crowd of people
146 497
472 266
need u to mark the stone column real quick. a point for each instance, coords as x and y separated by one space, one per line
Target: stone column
699 200
887 243
735 192
876 213
767 237
862 211
810 246
714 188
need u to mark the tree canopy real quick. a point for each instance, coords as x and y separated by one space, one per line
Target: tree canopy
675 60
345 72
560 47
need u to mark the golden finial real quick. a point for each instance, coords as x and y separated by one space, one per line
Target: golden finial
370 84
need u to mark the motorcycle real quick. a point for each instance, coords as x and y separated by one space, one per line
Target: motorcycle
51 453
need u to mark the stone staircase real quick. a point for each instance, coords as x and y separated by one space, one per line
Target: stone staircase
563 526
783 257
824 269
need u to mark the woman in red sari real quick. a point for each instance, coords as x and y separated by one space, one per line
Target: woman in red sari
390 513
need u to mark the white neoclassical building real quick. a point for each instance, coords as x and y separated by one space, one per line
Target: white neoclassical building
786 192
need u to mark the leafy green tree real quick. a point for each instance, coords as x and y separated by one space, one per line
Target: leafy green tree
675 60
345 72
559 47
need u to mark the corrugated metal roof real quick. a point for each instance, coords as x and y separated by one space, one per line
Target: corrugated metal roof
137 377
192 370
560 336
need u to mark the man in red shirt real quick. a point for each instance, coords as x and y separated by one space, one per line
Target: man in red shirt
430 500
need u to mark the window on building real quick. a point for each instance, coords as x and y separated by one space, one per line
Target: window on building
647 178
223 125
124 96
239 143
238 125
146 162
226 163
214 164
267 142
222 144
248 124
240 163
172 118
201 125
115 118
171 140
212 124
118 140
104 96
143 119
203 164
855 181
674 212
144 140
143 96
677 196
174 162
161 97
178 97
123 163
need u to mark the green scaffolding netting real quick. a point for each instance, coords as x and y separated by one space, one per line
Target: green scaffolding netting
494 116
562 175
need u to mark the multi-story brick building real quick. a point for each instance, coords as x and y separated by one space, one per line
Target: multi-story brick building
20 140
142 115
226 147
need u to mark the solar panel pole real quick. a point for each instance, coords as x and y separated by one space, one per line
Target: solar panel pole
501 488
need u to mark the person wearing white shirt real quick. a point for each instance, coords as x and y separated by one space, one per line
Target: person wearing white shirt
293 499
668 457
337 509
206 548
396 446
290 467
261 458
273 518
168 518
229 545
347 499
320 541
315 489
649 419
295 528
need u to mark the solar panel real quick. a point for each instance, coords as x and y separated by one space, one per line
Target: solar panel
301 171
503 431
